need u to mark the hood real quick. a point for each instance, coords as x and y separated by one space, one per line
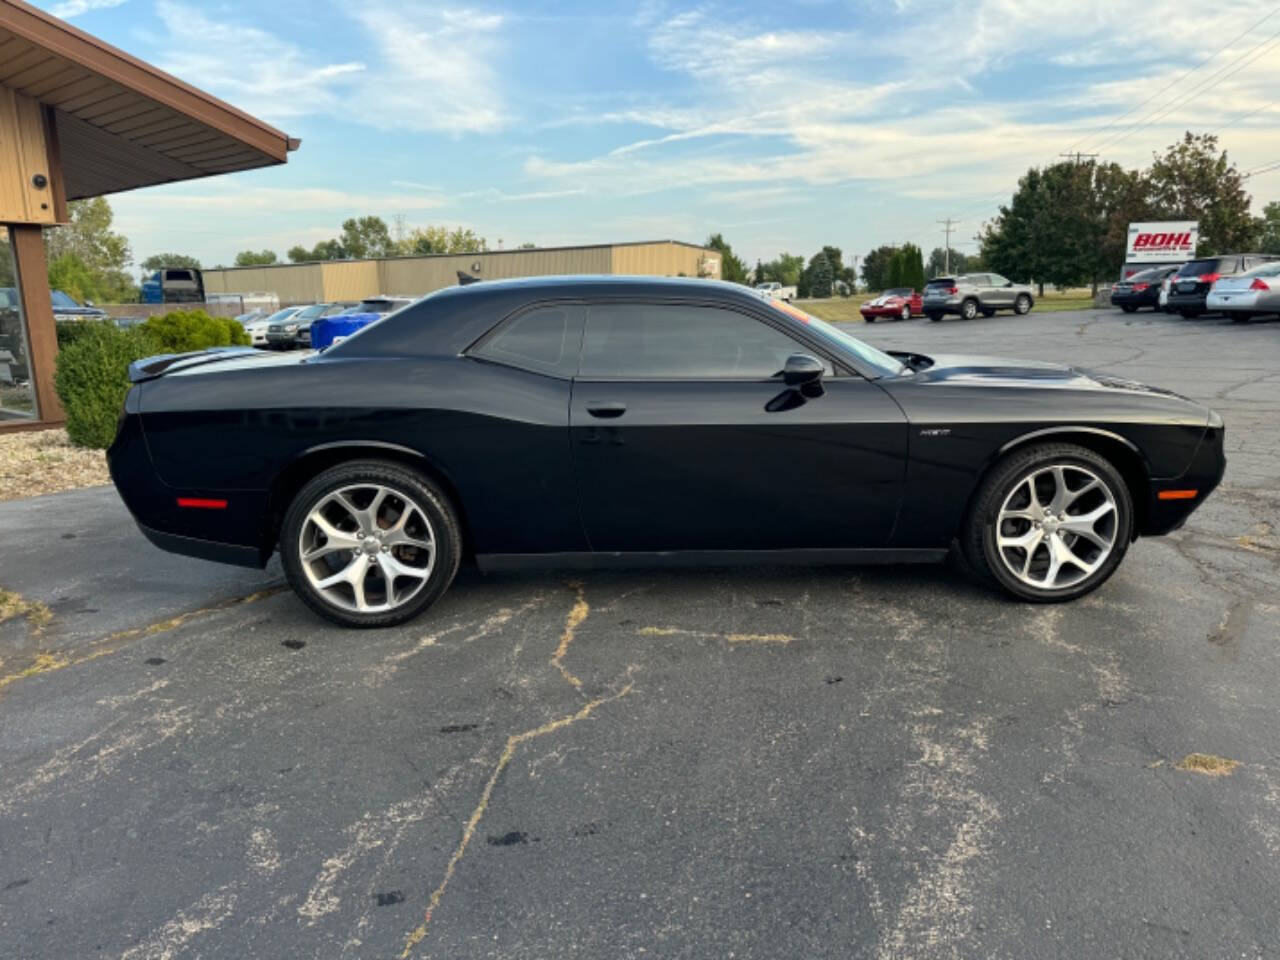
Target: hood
961 368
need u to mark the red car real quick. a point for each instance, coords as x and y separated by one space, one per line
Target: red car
899 304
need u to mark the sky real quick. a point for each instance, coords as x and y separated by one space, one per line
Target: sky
784 126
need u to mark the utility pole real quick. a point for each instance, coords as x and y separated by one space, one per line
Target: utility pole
398 219
949 223
1079 156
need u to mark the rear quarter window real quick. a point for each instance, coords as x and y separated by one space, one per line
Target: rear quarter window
542 339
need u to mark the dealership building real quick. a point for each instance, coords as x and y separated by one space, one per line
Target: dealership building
336 280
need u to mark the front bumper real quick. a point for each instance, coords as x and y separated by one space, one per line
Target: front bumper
282 339
1208 464
881 311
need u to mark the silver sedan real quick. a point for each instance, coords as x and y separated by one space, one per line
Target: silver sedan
1247 294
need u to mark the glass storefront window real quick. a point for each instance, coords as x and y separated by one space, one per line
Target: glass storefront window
17 395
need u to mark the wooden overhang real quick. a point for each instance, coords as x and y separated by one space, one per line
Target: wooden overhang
118 123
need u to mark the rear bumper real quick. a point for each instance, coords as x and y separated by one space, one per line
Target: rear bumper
1187 301
950 305
1236 300
1143 299
205 549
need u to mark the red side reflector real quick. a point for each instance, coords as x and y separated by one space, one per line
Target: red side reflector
1176 495
200 503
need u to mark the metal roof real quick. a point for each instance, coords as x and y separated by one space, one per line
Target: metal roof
122 123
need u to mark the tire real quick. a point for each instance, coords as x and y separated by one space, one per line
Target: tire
935 317
1189 314
988 313
1005 487
411 502
969 309
868 318
1128 308
1022 305
904 313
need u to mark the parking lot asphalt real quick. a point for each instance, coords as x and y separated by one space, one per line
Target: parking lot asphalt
837 762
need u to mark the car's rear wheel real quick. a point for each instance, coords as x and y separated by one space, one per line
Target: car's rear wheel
1128 308
370 544
934 316
1022 304
969 309
1050 523
868 318
905 312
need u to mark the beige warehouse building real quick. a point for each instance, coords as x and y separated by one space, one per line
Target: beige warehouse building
413 276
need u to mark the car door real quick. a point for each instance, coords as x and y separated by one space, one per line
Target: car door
684 437
998 293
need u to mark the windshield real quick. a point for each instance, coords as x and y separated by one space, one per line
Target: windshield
899 292
60 299
284 314
311 312
884 364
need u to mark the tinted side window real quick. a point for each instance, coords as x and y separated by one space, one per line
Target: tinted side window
684 342
545 339
995 280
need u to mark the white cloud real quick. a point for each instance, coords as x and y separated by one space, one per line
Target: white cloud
436 69
73 8
252 69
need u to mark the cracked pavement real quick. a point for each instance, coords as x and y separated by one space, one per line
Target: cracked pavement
838 762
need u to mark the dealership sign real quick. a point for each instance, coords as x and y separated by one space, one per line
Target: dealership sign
1163 242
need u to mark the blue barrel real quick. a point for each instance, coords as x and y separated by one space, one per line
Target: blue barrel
325 330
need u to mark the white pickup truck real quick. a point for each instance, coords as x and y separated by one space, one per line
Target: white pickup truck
776 291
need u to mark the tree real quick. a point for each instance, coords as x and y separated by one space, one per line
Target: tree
324 250
527 246
159 260
819 275
937 265
102 253
429 240
875 267
69 274
911 267
256 258
1194 181
784 269
731 266
1269 228
364 237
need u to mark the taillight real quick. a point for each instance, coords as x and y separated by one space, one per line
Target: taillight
1258 284
1139 287
953 290
1209 277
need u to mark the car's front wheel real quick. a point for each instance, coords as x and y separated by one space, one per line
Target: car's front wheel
969 309
904 313
1050 522
370 544
1022 305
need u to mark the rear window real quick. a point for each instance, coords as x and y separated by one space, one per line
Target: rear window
1271 269
941 282
1146 276
1198 268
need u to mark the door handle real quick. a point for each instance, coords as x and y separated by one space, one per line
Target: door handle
606 410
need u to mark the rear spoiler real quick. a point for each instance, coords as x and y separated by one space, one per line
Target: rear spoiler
148 368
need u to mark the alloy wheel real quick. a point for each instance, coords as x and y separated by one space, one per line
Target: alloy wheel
905 314
1057 526
367 548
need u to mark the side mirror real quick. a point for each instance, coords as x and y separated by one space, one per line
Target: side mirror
1009 284
801 369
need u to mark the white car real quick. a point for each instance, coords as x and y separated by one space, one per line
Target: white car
776 291
1252 293
255 325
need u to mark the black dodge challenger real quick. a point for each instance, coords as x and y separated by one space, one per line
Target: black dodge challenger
601 420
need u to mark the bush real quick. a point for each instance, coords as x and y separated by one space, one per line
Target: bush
69 331
184 330
92 377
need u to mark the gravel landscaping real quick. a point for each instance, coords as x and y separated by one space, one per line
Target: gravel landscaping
45 461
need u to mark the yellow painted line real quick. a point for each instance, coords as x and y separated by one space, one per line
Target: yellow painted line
419 933
46 662
581 610
781 639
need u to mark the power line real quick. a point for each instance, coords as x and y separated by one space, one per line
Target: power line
1205 85
1173 83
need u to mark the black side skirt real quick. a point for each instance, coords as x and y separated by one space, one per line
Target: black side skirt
708 558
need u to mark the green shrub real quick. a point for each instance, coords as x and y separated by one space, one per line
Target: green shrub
69 331
92 377
182 331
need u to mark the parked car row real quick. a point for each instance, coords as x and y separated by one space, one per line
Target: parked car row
965 295
1241 285
292 327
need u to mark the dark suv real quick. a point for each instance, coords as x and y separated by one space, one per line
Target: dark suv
1192 283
